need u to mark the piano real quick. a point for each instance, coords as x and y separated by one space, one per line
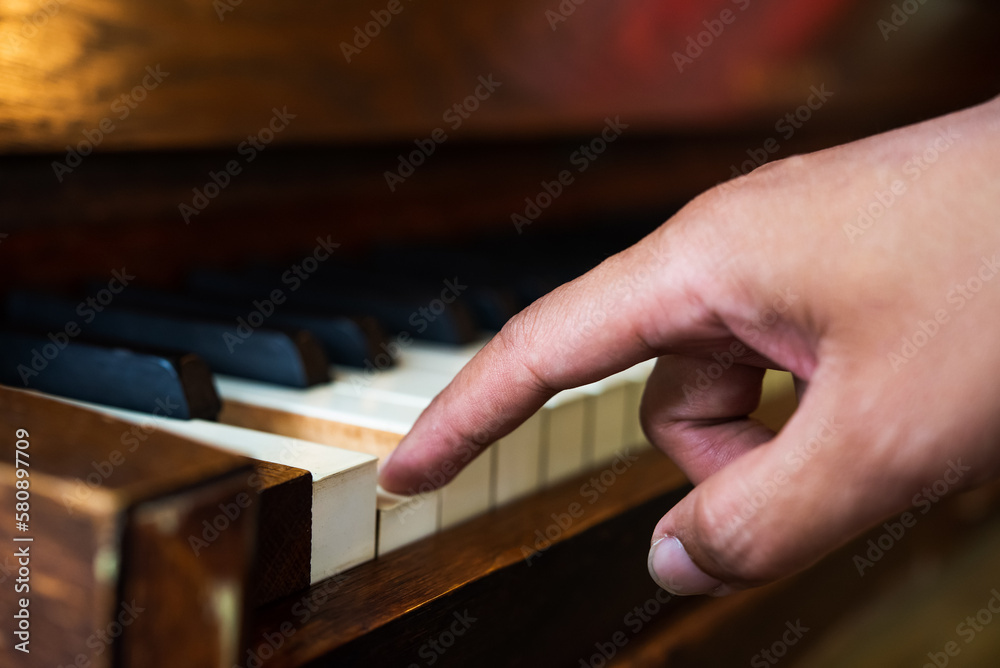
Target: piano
283 173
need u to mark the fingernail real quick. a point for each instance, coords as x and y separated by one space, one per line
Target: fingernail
385 500
672 569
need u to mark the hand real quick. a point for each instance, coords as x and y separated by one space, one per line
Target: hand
867 270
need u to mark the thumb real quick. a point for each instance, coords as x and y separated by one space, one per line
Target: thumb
779 507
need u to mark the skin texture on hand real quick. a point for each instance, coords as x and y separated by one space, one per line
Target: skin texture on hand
869 270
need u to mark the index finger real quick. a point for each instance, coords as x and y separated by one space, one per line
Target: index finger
628 309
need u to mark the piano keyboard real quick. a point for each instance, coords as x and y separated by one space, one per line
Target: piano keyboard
280 410
545 450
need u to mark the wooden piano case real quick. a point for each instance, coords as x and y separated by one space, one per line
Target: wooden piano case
101 565
116 115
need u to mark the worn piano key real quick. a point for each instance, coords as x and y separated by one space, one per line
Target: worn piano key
176 385
109 528
585 426
605 421
517 462
292 358
440 358
581 426
563 435
404 521
348 340
435 317
364 425
343 489
339 497
515 458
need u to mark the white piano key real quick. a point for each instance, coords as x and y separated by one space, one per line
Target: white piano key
407 522
343 483
570 421
518 460
518 454
424 370
635 378
438 357
466 496
328 405
584 427
606 426
563 434
375 425
416 387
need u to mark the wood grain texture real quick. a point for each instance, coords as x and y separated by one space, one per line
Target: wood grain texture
588 586
284 537
325 173
488 565
69 601
65 68
187 606
90 497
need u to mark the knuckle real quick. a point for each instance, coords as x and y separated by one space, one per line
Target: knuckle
745 189
515 337
794 163
517 341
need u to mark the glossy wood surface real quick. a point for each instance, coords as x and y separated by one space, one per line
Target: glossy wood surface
589 590
487 565
111 528
216 71
284 536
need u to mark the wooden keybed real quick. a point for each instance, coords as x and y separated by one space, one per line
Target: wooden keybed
324 175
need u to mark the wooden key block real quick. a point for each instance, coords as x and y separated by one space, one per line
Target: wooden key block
112 525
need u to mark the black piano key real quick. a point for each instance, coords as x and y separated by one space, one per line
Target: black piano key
432 317
488 307
292 358
494 270
492 307
347 340
490 303
169 386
